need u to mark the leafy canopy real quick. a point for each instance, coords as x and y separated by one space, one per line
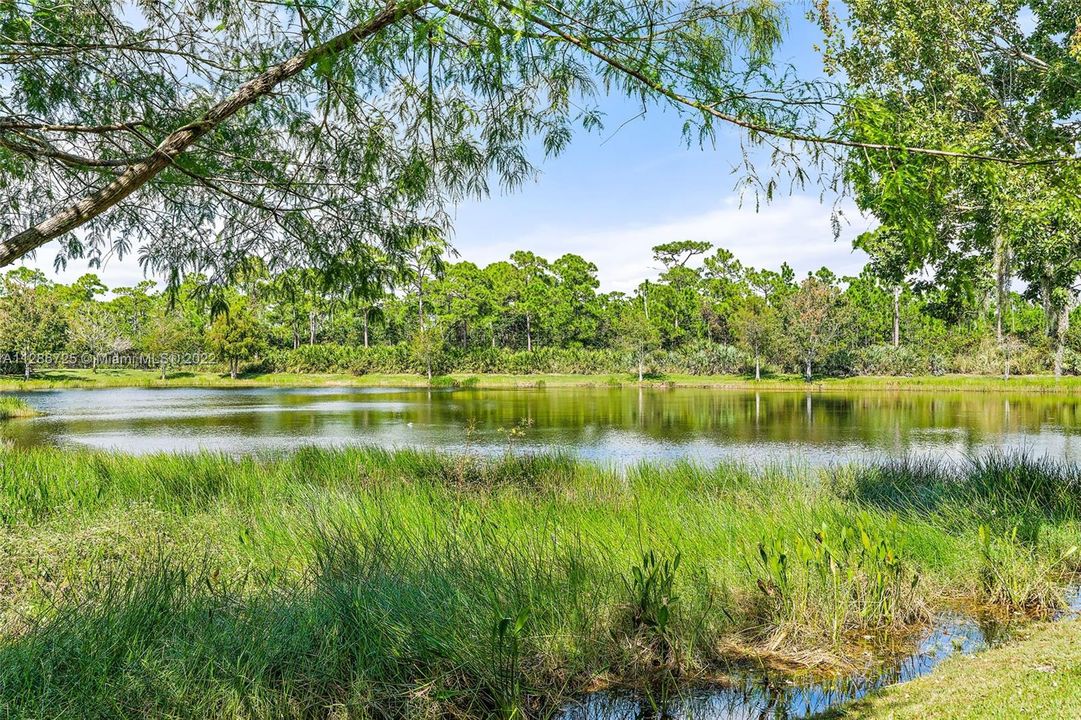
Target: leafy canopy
328 133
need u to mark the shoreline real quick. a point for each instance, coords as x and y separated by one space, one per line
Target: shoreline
86 379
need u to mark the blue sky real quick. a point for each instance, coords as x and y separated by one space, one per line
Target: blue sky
617 192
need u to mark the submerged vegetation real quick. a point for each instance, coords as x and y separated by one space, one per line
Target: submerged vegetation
401 583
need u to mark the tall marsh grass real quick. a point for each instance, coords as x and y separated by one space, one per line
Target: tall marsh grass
371 583
13 407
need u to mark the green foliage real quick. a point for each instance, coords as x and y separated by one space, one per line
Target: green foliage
813 322
30 319
922 71
652 590
855 571
430 104
236 335
758 328
507 638
427 347
532 316
1017 575
11 407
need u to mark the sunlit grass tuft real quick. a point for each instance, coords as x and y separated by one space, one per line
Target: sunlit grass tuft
12 407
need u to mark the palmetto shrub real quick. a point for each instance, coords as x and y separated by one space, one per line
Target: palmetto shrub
697 359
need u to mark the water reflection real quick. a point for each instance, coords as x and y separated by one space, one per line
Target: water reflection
760 695
607 424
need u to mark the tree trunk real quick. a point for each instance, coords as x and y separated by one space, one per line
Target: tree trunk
998 319
233 368
757 367
1062 327
429 362
1048 306
640 364
366 311
1001 276
528 334
808 371
163 369
897 316
295 327
175 143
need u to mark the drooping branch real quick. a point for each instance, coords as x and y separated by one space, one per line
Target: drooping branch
39 149
137 175
19 124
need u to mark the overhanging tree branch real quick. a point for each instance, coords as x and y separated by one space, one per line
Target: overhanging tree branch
18 124
508 81
39 149
135 176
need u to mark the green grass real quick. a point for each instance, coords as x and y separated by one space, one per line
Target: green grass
127 377
363 582
11 407
1037 677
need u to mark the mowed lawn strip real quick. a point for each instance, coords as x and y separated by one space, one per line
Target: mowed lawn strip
1036 676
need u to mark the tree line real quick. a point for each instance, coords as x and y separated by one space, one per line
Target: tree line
705 313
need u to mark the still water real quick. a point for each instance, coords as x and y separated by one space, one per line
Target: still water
610 425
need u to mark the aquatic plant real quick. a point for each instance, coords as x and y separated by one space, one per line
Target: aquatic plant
652 589
840 579
515 433
507 639
1018 575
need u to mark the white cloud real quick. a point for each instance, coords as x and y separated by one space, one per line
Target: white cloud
794 229
114 272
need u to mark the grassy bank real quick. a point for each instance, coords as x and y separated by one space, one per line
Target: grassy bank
15 408
106 378
362 582
1037 677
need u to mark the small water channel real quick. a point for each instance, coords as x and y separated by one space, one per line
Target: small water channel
762 695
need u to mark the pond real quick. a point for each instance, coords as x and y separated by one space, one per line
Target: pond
610 425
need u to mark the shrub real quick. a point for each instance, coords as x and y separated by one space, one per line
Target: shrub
889 360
